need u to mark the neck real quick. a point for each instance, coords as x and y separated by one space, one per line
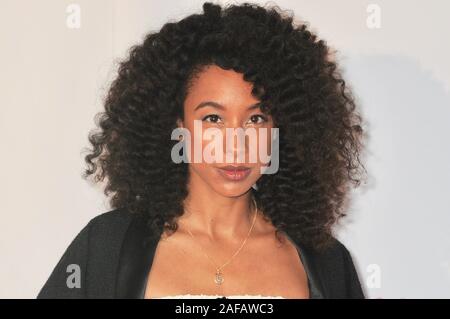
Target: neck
215 216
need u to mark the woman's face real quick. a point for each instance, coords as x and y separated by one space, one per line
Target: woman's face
221 99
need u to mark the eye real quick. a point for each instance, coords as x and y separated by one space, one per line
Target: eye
258 119
212 118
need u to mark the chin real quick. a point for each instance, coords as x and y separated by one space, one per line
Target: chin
232 190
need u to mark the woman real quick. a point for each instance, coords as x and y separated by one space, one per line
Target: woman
181 229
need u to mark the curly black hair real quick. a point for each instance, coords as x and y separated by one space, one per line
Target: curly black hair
298 84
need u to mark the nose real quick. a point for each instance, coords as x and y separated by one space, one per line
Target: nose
236 144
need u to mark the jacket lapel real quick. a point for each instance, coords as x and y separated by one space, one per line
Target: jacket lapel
136 257
315 284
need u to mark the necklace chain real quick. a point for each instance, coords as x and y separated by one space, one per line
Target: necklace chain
219 277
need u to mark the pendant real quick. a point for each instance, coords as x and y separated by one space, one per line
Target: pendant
218 278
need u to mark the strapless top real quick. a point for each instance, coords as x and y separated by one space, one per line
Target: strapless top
188 296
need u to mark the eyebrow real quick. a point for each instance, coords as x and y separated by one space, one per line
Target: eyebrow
221 107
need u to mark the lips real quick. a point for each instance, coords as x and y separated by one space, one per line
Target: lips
234 173
234 168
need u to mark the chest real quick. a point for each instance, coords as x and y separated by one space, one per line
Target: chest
261 269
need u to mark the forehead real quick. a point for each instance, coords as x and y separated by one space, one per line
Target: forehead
226 87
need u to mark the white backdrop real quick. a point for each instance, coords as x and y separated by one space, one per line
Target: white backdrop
53 78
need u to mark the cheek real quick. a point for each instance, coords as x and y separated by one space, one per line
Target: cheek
206 172
264 149
269 142
195 140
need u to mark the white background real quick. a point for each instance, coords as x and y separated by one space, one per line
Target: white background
53 79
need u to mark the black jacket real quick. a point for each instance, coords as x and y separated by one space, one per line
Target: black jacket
114 263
